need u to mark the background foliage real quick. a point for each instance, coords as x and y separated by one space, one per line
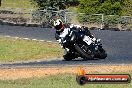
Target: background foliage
107 7
56 4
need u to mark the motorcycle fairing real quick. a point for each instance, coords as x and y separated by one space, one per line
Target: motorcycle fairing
87 39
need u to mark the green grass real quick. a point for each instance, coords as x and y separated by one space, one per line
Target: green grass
58 81
17 3
21 50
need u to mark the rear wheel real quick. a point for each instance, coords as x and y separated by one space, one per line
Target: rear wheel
69 56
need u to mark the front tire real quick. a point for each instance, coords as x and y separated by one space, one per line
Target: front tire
83 53
101 54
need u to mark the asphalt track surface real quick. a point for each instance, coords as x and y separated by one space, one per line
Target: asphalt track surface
118 45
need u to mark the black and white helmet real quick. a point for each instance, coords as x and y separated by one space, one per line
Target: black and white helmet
58 24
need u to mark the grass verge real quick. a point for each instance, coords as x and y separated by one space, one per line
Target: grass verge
21 50
17 3
56 81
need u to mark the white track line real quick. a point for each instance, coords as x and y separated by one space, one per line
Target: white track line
7 36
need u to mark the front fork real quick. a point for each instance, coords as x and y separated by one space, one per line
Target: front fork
95 47
92 48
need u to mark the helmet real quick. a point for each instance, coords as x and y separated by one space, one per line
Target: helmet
59 26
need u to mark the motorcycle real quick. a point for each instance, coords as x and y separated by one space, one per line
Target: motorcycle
76 44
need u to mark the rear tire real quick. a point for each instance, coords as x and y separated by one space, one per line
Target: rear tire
69 56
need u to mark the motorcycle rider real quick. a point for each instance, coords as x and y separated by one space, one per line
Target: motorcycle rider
62 31
83 29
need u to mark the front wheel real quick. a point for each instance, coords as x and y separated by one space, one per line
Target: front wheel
84 51
101 54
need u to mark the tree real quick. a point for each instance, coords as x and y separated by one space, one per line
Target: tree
56 4
128 9
107 7
73 2
46 4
